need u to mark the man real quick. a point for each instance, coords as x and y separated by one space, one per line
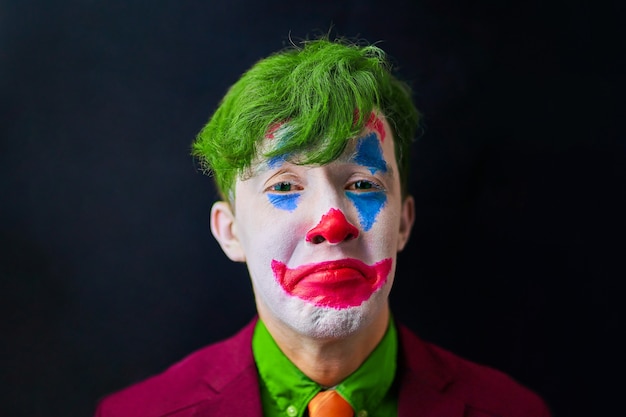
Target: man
310 151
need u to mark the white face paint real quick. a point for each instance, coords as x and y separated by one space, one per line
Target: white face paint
320 242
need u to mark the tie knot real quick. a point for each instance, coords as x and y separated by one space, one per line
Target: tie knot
329 404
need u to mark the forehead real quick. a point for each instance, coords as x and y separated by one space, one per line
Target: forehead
376 137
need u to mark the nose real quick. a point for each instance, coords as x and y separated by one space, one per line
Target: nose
333 228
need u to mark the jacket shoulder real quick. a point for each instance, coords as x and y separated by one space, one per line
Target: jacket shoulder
485 391
186 385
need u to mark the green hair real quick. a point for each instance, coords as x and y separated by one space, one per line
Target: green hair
324 91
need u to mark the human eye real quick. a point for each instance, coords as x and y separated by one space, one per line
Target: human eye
281 187
283 181
284 194
365 185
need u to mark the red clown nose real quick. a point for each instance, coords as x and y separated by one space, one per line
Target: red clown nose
334 228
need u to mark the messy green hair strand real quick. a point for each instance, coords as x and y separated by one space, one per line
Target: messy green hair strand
324 90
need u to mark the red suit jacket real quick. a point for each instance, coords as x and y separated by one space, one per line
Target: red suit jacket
221 380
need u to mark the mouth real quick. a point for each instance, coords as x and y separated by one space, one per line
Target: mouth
337 284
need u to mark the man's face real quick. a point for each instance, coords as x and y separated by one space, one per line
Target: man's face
320 242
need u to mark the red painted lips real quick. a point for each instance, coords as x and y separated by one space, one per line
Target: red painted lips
337 284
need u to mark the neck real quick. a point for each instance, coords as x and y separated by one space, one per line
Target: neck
327 361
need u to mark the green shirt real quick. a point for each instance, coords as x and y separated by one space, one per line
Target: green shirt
286 391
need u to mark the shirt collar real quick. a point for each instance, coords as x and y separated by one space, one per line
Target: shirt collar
285 389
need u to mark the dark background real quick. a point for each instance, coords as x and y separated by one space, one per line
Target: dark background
108 269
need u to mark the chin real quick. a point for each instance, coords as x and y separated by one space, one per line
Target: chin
326 322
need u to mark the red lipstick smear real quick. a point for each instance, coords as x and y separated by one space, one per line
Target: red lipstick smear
333 227
337 284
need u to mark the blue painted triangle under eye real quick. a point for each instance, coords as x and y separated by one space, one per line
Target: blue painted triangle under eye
368 205
287 202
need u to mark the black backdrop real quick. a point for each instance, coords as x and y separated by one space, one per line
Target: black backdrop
107 266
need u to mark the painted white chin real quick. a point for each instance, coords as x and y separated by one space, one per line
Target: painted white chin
325 322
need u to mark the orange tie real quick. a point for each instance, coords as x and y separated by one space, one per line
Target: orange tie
329 404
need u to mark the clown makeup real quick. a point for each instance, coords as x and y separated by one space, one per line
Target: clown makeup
368 153
320 242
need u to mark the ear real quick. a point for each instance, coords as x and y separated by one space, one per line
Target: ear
224 228
407 217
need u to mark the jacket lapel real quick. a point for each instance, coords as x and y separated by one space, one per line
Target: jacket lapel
232 376
417 399
423 380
